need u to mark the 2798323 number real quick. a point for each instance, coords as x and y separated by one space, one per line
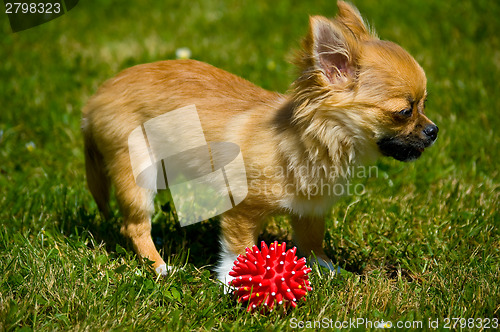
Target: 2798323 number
485 323
32 8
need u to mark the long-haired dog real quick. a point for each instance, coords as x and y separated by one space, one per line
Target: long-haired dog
356 98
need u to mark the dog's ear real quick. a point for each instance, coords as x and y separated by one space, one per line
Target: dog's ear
332 47
334 50
349 16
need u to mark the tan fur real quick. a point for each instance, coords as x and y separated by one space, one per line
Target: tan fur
331 118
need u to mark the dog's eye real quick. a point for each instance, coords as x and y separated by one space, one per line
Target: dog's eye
407 112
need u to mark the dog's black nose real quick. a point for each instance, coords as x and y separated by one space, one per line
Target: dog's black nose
431 131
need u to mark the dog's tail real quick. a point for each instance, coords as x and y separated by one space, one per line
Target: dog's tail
97 178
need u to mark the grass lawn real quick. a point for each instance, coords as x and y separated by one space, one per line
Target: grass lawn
422 241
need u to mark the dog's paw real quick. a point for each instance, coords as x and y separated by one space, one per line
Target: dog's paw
225 266
225 284
325 265
328 265
164 269
224 277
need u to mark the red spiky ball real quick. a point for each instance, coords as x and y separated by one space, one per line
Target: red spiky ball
269 277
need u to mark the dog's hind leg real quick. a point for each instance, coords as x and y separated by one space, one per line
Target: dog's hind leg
136 205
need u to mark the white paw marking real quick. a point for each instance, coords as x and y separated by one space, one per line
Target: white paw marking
328 264
225 265
164 269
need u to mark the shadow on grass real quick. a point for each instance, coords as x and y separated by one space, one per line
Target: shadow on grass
86 220
198 244
200 240
363 263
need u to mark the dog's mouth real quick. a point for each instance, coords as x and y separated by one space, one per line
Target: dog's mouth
400 149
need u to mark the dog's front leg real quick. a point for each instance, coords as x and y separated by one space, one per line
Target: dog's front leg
308 234
239 230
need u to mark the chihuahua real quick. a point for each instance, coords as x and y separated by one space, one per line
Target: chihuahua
356 98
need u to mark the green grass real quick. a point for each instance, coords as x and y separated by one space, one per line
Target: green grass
422 241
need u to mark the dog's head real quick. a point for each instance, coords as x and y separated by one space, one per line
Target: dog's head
374 88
